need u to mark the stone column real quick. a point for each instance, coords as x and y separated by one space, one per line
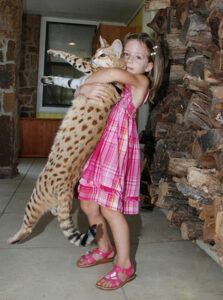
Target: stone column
10 40
28 72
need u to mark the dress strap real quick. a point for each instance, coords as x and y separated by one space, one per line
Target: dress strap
146 97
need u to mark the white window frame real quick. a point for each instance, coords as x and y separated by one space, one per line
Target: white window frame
42 45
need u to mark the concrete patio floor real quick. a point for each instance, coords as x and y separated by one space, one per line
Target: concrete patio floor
43 267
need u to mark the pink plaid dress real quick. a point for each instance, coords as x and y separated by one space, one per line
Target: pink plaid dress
111 176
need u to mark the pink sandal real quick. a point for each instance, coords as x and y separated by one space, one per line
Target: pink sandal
88 260
113 279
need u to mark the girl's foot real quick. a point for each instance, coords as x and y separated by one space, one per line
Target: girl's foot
116 278
95 257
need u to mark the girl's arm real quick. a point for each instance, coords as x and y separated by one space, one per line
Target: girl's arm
94 91
109 75
139 83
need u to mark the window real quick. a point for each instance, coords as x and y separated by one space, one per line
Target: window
70 37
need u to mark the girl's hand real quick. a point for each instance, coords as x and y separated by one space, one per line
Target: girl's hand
94 91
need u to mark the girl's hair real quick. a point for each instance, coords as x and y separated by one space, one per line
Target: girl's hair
155 56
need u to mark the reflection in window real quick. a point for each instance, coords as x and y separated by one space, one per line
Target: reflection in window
68 37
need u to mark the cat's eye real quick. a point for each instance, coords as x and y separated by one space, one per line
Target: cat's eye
102 55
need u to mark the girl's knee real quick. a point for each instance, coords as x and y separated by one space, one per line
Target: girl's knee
107 212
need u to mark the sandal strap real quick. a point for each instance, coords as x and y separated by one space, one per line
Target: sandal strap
127 271
113 274
113 278
89 255
101 253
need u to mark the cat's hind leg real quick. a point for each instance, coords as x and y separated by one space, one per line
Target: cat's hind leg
33 211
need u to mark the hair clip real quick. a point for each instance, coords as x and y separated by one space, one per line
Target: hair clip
154 52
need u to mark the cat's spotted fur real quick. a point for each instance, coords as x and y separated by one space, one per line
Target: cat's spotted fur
75 140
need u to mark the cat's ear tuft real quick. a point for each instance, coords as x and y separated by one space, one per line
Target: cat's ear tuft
103 42
117 47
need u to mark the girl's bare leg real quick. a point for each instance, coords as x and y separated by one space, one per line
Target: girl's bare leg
93 213
120 231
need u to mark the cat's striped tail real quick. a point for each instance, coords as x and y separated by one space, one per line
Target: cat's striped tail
83 239
73 235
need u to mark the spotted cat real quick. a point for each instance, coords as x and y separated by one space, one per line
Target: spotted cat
77 136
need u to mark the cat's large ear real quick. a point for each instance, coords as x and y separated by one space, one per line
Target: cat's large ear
117 47
103 42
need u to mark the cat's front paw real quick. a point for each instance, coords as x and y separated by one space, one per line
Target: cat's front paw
47 80
53 52
54 211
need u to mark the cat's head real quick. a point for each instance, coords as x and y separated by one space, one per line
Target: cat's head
108 56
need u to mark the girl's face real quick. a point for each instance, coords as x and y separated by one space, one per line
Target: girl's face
136 56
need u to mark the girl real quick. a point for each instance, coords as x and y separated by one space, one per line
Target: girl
109 185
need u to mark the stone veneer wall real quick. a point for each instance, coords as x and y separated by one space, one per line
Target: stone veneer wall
10 39
28 71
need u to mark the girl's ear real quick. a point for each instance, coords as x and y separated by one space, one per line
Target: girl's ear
103 42
117 47
149 67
